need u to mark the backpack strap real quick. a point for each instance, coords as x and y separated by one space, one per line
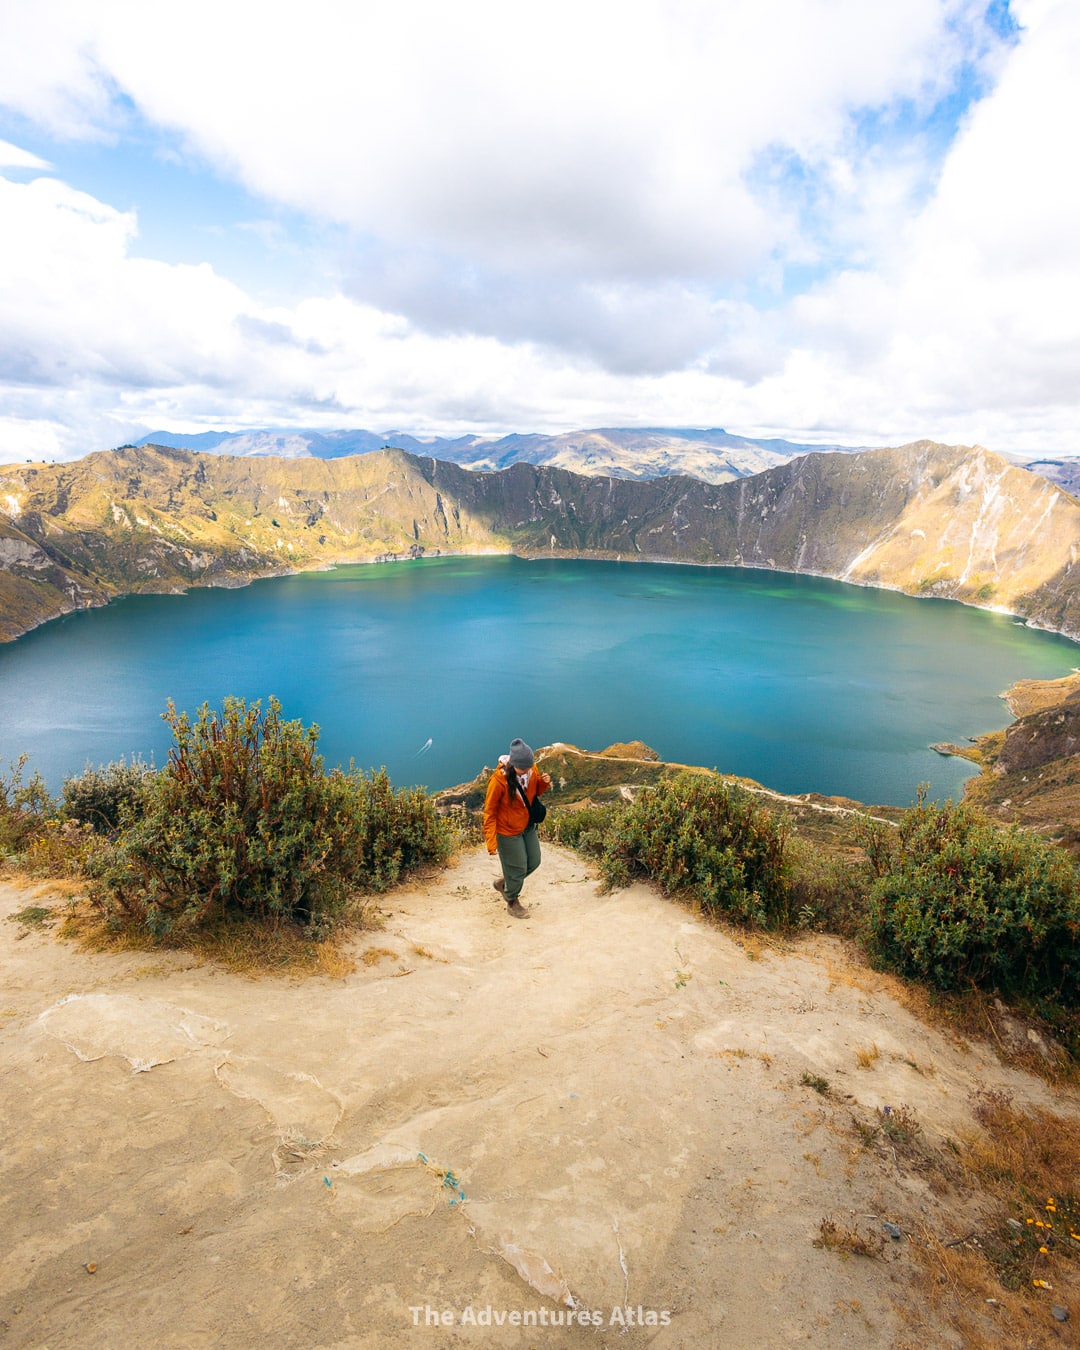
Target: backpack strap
521 791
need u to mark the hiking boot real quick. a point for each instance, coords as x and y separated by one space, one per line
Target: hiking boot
500 884
516 908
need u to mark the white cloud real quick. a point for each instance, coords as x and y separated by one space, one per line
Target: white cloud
78 306
12 157
975 319
560 215
48 71
611 137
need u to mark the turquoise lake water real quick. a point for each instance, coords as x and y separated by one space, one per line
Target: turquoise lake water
800 683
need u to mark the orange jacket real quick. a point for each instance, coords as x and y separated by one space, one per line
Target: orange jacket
504 812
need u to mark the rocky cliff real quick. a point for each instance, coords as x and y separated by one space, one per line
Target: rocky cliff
1031 770
957 523
954 522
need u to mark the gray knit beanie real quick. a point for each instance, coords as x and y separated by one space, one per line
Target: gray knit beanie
521 757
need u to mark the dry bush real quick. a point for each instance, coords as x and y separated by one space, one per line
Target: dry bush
998 1284
1014 1251
239 947
371 956
849 1241
962 1291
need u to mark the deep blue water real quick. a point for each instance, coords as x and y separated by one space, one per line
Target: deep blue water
800 683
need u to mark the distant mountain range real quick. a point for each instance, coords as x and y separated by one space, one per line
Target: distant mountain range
650 452
1065 472
954 522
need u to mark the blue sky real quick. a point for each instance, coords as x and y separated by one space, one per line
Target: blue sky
820 219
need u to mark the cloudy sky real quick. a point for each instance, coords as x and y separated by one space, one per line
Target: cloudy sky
823 219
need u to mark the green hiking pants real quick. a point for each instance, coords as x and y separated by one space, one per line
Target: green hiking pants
519 855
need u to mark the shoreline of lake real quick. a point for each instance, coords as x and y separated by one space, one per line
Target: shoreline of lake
235 582
789 679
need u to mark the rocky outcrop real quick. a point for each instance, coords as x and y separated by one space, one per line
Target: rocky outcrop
1031 770
1042 737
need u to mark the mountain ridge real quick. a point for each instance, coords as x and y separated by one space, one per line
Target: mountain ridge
713 454
952 522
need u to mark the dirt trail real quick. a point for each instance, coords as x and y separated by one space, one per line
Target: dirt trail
597 1111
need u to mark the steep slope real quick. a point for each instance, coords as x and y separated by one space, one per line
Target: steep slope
1031 770
158 519
36 585
608 1102
927 519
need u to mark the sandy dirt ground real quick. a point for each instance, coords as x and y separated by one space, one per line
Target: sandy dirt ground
583 1129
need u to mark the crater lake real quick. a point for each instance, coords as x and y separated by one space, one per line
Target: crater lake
430 667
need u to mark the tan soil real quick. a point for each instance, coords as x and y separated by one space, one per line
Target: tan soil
194 1159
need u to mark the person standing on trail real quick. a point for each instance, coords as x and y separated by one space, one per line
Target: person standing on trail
510 821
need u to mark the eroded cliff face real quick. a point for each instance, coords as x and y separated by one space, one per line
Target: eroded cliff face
1031 770
930 520
958 523
953 522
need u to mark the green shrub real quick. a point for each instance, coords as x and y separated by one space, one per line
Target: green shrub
98 797
699 838
824 891
25 805
585 828
958 902
33 836
244 821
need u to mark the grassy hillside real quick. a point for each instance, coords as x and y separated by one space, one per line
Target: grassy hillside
926 519
154 519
